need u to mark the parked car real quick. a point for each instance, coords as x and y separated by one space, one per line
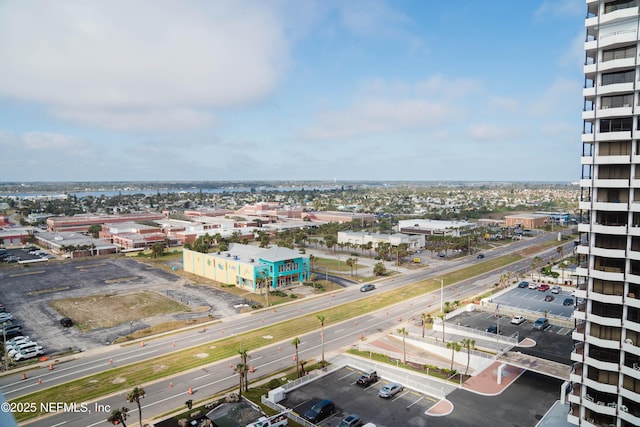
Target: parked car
533 285
351 421
492 329
541 324
367 287
27 346
367 378
28 353
518 320
390 390
66 322
523 284
567 301
320 411
549 298
544 287
5 317
556 289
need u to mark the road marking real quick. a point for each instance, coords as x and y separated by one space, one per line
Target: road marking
348 375
421 397
200 377
45 291
399 396
26 273
121 279
82 267
564 331
339 330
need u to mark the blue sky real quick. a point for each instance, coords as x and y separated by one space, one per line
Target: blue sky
291 90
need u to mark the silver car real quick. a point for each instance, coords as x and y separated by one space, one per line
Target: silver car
390 390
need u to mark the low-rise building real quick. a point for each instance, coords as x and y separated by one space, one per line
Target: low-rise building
527 220
415 241
245 266
430 227
81 223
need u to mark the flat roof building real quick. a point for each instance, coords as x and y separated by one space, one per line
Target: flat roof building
247 266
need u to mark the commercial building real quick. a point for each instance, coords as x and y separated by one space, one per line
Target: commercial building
244 266
81 223
531 220
605 379
360 238
435 227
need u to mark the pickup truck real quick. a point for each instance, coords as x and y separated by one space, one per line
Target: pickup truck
279 420
367 378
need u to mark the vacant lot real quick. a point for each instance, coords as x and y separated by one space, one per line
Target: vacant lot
106 311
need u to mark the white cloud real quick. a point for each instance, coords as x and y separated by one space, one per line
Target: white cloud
502 104
495 132
387 106
167 119
121 58
554 8
379 115
561 97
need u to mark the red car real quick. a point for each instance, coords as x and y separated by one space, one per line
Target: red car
544 287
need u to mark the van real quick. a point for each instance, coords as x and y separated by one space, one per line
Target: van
320 411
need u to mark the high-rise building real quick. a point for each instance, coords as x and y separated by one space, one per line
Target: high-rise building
605 378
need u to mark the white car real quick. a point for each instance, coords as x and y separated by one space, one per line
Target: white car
518 320
5 317
28 353
20 348
14 342
533 285
556 289
390 390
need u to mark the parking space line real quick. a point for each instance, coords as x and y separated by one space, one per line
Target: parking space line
348 375
26 273
44 291
81 267
564 331
421 397
400 395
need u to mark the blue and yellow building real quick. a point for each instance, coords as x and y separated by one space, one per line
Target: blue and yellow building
244 265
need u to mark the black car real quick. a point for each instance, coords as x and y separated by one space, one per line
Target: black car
480 256
66 322
492 329
567 301
367 287
523 284
320 411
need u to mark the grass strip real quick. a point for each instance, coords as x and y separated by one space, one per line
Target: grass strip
126 377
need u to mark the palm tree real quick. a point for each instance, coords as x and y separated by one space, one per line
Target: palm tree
134 396
321 318
442 316
454 346
425 317
241 370
469 344
296 341
244 355
403 331
118 416
349 262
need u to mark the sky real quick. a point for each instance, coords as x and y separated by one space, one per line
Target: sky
217 90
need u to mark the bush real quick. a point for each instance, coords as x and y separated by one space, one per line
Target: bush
274 383
293 296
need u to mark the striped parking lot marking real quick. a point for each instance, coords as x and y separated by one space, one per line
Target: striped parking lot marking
564 331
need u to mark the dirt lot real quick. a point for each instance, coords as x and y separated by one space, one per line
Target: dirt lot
96 312
28 291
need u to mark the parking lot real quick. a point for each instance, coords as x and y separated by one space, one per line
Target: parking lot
27 290
407 408
526 400
534 300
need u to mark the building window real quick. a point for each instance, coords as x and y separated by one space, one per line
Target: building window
619 53
618 77
616 125
616 101
619 4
